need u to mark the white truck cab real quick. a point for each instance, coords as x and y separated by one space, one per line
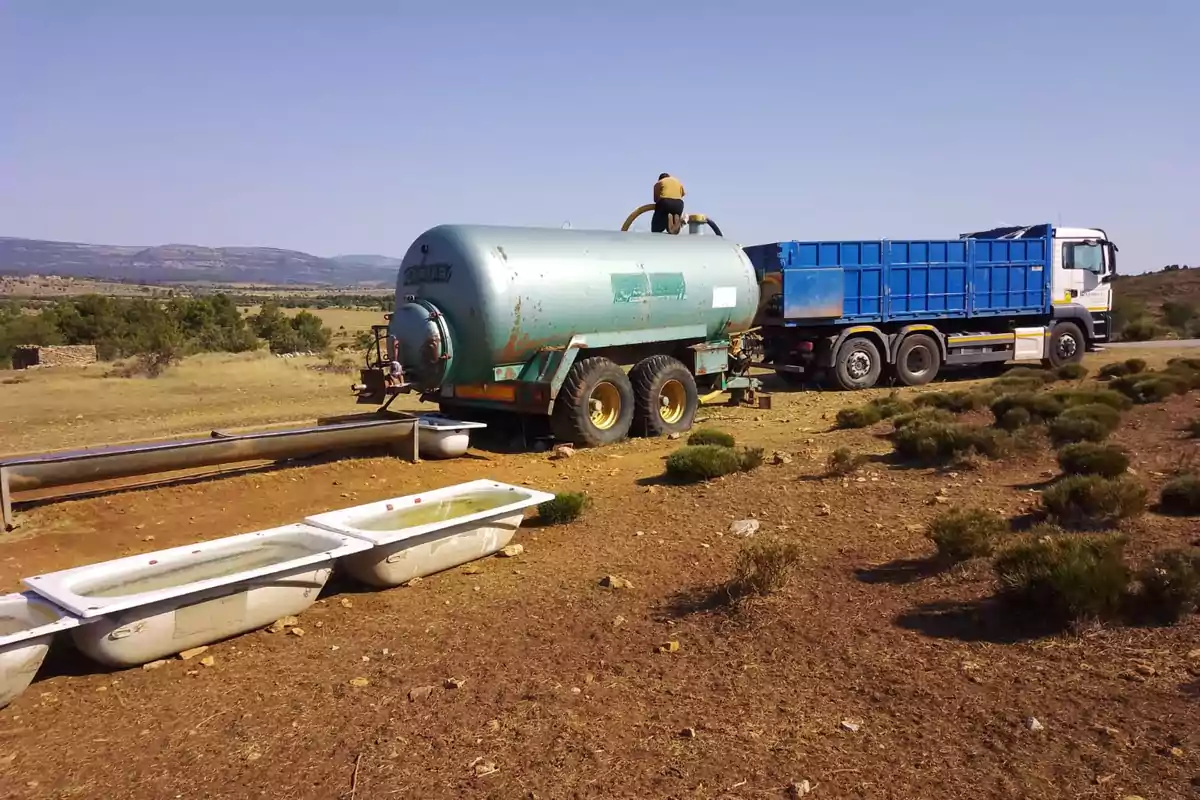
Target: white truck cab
1084 263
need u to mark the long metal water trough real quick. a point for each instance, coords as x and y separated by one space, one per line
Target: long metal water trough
67 467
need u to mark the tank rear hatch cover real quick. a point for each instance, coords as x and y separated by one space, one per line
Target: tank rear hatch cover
426 350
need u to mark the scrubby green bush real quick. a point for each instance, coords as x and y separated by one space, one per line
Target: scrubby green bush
1181 496
1087 423
764 566
1141 330
1169 586
1117 369
711 436
1041 407
940 442
1090 458
1149 387
1065 578
860 417
563 508
1071 372
843 461
922 415
1135 365
1032 374
1082 397
958 401
701 462
1015 418
1186 363
963 534
891 405
1092 501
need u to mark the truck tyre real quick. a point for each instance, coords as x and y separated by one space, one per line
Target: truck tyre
1066 345
665 396
858 364
595 405
918 360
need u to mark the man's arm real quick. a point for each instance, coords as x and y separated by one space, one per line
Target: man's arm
682 191
657 191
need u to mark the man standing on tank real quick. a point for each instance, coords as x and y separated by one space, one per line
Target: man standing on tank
668 203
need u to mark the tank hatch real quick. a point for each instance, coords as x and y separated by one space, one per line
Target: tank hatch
423 337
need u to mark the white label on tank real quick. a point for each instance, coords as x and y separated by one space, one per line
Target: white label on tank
724 296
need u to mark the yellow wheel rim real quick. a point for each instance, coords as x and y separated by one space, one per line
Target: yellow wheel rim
605 406
672 402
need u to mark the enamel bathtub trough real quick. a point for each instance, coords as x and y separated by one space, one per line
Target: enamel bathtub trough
149 606
421 534
27 626
442 437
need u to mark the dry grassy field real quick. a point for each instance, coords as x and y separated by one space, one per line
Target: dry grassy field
876 672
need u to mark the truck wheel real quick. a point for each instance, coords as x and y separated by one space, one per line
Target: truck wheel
595 405
918 360
1066 345
858 364
665 396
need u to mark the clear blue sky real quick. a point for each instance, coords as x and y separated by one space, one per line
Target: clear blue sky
349 126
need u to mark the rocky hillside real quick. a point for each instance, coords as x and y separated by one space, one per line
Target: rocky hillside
177 263
1159 304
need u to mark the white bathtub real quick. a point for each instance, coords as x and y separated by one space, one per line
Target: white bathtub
27 626
421 534
150 606
442 437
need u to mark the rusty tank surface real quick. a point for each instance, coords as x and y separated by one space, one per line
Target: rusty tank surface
475 303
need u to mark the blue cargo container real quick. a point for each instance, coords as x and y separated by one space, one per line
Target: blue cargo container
846 308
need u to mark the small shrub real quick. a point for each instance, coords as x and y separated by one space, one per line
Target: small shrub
763 567
1015 418
701 462
1135 365
751 458
891 406
1083 397
957 402
963 534
1032 374
1140 330
843 461
1147 388
922 415
1181 496
1186 363
1066 578
939 442
1193 428
1089 423
861 417
1092 501
1117 369
565 507
1071 372
1089 458
1041 407
711 436
1187 376
1169 586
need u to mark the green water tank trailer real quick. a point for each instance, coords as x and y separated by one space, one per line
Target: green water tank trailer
512 318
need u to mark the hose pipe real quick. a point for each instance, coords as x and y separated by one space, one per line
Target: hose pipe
694 220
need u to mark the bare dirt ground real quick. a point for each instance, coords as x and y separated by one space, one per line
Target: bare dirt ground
565 692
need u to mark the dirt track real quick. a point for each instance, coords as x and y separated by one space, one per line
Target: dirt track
565 693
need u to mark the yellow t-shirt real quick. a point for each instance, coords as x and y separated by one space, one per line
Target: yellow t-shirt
668 189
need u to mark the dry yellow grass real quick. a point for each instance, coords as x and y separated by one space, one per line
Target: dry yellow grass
62 408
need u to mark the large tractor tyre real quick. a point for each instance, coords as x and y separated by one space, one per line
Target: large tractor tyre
595 405
665 396
858 364
1067 345
918 360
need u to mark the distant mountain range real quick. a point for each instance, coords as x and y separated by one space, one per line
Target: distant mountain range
186 263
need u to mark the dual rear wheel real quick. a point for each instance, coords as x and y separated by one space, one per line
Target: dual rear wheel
599 404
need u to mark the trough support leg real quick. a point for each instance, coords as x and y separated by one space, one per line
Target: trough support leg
6 501
415 455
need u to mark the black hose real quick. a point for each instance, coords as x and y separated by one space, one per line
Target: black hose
714 226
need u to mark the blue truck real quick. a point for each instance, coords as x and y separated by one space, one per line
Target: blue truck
850 313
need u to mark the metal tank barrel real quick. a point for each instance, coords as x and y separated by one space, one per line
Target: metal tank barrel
471 298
